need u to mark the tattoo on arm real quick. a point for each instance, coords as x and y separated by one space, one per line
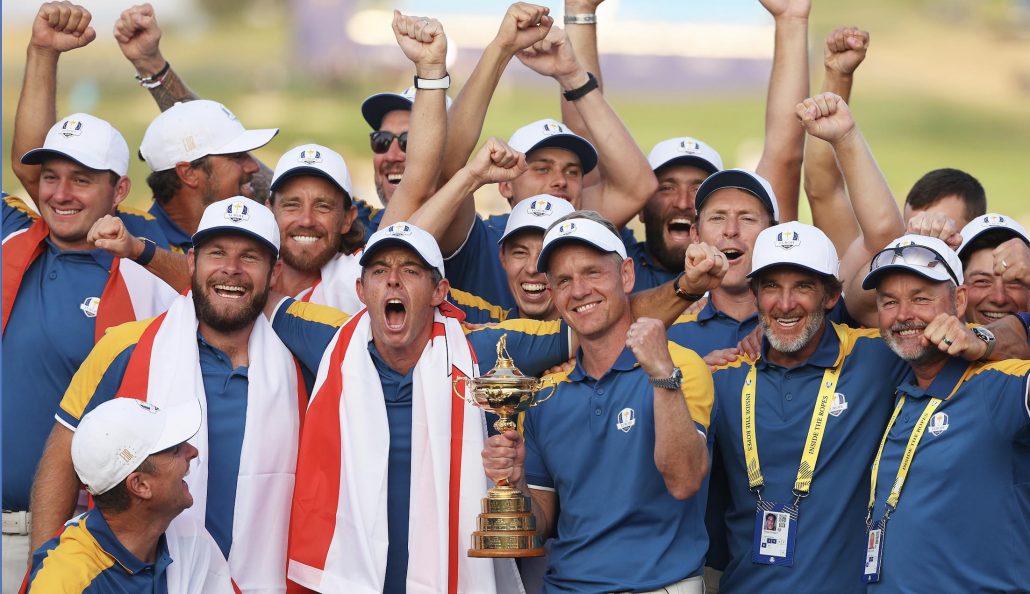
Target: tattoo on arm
171 90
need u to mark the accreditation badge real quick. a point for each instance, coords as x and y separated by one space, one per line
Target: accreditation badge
775 530
874 553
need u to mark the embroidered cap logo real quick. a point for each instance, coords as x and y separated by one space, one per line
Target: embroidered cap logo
540 208
787 240
310 156
71 128
236 212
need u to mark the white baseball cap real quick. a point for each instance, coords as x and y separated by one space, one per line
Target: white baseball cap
991 222
312 159
407 235
685 151
551 133
795 244
87 140
580 230
748 181
113 439
926 256
537 212
190 130
241 216
375 107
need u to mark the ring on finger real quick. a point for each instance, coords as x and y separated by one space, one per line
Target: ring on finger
1004 265
947 341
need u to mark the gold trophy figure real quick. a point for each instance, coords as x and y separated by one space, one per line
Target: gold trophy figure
507 527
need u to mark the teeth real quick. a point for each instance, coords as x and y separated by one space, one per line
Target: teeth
394 178
304 238
533 287
787 321
584 308
994 315
231 289
397 301
65 212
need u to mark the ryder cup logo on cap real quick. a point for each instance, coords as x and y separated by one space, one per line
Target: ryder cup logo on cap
239 215
116 437
190 130
536 212
549 133
312 159
999 227
774 247
579 230
85 139
685 151
409 236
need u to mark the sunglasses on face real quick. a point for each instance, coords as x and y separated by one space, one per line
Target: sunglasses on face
381 141
914 255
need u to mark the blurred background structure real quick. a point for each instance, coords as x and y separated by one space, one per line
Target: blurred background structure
946 82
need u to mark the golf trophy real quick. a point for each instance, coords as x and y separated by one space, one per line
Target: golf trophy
507 527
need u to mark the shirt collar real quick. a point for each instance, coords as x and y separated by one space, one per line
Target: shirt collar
99 529
173 232
709 311
626 361
942 386
826 355
102 257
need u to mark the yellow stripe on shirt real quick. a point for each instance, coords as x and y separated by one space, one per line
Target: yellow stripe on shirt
20 205
466 299
314 312
136 212
72 566
698 389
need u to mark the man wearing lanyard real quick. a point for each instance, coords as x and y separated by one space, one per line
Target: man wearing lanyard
958 441
797 427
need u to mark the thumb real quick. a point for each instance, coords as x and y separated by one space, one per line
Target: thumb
87 36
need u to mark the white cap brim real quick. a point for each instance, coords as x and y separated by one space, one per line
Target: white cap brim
37 156
248 141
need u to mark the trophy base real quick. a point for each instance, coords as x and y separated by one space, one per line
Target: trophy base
507 527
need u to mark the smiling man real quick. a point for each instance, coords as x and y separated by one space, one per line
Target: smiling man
212 345
985 242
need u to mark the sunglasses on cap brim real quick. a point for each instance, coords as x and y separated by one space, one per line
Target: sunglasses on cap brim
912 255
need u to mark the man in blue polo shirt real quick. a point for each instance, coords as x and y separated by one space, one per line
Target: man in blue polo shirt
132 457
392 349
640 406
947 508
813 376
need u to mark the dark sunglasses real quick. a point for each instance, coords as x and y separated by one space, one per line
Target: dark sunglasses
381 141
914 255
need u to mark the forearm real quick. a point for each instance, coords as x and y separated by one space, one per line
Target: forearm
468 112
873 203
36 113
447 215
679 452
545 508
172 88
660 302
55 489
584 43
1010 339
172 268
426 137
784 139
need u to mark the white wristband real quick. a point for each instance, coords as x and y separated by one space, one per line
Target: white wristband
581 19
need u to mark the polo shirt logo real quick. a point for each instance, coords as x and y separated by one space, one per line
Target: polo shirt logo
839 404
938 424
89 306
626 419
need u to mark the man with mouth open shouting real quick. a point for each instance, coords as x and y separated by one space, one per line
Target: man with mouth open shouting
212 345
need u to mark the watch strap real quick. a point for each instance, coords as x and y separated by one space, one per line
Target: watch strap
149 249
588 18
673 382
433 83
578 93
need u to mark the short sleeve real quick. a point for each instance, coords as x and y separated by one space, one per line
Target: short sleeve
537 475
307 329
534 345
698 390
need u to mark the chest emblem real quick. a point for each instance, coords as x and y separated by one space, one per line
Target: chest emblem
89 306
938 424
839 405
626 419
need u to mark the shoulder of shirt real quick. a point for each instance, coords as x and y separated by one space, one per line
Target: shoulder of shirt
361 203
21 206
739 362
524 326
73 564
683 357
1013 367
851 336
466 299
314 312
686 318
135 212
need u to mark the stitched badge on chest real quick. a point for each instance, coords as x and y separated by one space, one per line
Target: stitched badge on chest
626 419
89 306
838 405
938 424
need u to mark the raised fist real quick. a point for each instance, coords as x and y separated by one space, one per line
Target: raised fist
703 267
553 56
139 38
496 162
647 339
826 116
424 42
788 8
933 224
523 25
845 49
61 26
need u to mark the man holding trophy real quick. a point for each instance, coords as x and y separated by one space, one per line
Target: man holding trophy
621 449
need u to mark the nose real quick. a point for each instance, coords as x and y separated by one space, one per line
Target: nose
685 200
905 311
579 288
731 228
998 294
785 300
394 153
559 180
63 189
191 451
249 164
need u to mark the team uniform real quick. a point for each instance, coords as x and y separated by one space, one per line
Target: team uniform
178 240
829 518
649 273
959 523
369 216
308 331
476 267
592 443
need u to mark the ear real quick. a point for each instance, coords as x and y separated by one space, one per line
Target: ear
138 485
440 292
191 261
276 273
360 289
961 301
629 276
349 215
189 175
505 189
121 189
831 300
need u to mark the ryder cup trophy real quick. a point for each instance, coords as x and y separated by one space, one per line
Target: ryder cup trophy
507 527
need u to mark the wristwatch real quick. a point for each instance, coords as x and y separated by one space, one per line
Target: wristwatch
672 382
988 337
433 83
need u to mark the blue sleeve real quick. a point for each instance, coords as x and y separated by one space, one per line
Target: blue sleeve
368 216
476 267
534 346
76 405
141 226
14 219
537 474
306 331
1006 401
1025 318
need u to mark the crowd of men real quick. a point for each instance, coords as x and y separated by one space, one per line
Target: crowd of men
248 387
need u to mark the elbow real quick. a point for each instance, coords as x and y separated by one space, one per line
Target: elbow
684 488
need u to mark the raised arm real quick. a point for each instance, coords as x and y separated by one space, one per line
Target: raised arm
788 84
628 179
57 28
824 186
827 116
109 233
703 269
424 43
583 37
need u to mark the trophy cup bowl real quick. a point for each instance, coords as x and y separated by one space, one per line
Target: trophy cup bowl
506 525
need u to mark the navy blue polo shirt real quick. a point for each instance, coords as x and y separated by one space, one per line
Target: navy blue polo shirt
369 216
828 554
49 334
476 267
87 557
226 391
307 329
1025 318
961 522
478 310
649 273
592 443
178 239
142 224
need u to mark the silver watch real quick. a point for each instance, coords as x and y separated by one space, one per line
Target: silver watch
988 337
669 383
